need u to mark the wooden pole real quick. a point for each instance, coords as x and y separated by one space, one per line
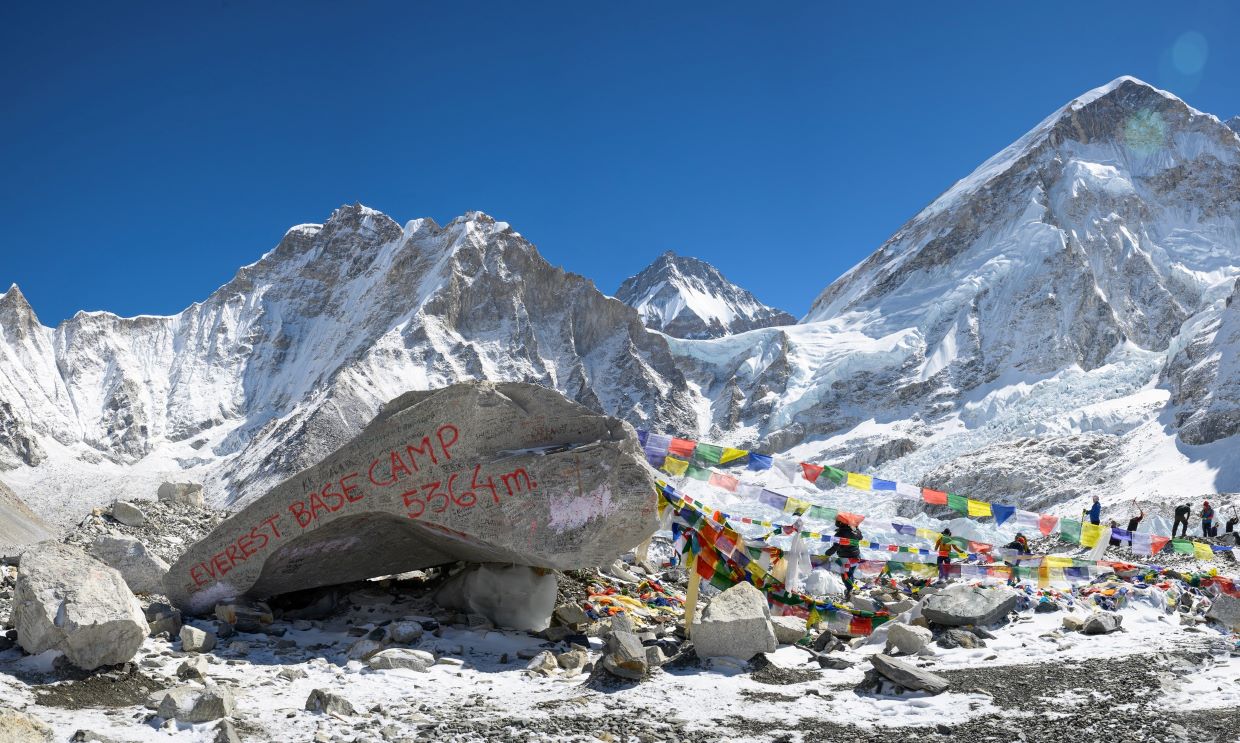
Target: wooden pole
691 595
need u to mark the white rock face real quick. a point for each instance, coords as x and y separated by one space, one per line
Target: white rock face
67 601
907 639
689 298
142 571
19 524
737 624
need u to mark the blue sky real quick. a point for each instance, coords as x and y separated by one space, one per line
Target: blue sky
150 150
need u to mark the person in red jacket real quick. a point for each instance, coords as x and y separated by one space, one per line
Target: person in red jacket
1207 519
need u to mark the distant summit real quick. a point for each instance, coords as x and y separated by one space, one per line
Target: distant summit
689 298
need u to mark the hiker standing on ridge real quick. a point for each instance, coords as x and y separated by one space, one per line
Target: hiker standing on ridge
850 551
1133 523
1095 512
1207 519
1181 520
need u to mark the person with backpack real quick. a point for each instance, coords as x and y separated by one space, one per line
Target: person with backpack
945 548
1207 519
849 552
1019 545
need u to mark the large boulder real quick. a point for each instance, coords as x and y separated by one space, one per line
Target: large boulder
143 571
182 493
1101 623
479 472
907 639
961 605
66 600
1225 610
788 629
20 727
511 596
737 624
908 676
128 514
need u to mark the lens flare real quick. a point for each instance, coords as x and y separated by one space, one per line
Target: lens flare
1189 53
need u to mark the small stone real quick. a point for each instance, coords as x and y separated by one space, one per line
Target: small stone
543 664
406 658
405 632
288 673
194 668
194 640
326 701
128 514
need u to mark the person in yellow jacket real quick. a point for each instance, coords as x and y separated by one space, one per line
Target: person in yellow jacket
946 549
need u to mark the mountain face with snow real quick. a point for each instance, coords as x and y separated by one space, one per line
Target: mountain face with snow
292 357
1073 292
689 298
1061 322
1234 123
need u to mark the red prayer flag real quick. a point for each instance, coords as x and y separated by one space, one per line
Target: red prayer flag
725 482
1047 524
934 497
811 471
682 448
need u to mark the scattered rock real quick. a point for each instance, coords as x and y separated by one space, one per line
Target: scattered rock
1225 610
788 630
128 514
959 605
323 700
1046 607
959 638
1101 623
406 658
195 668
289 673
1072 622
194 640
65 600
163 619
543 664
226 732
574 661
737 623
245 618
187 704
626 657
143 572
572 616
908 676
405 632
906 639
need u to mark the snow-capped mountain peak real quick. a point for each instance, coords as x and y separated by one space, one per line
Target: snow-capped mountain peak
1234 123
688 298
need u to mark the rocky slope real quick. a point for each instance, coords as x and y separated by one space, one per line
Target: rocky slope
689 298
18 523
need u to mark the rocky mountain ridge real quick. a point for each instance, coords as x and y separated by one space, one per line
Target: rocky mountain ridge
689 298
1076 287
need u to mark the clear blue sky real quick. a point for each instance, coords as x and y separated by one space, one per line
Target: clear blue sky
149 150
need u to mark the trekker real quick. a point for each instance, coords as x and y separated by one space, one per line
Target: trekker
1231 523
1021 546
850 551
1133 523
1207 519
1114 525
945 544
1181 520
1095 512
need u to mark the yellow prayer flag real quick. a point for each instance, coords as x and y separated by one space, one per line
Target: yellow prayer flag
979 508
860 482
730 454
1202 551
1090 534
795 505
928 534
675 466
1053 561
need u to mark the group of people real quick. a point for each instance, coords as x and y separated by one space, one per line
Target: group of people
947 547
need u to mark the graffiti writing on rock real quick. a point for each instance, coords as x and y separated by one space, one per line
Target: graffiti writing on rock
438 496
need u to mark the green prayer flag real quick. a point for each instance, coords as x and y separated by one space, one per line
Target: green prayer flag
837 476
709 453
822 512
958 503
1183 546
697 473
1070 530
